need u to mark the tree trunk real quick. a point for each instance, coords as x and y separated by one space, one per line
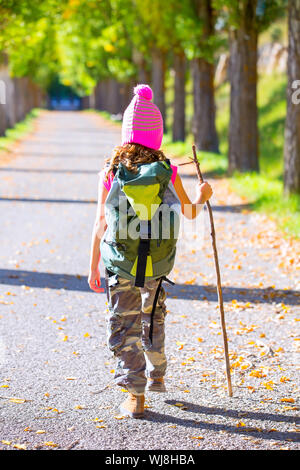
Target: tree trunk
92 100
243 131
179 98
292 127
158 81
204 127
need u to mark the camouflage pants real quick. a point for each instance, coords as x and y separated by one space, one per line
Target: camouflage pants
128 324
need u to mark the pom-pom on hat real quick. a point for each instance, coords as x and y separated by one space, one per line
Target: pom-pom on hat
142 120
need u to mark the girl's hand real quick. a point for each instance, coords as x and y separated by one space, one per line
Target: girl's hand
94 281
204 192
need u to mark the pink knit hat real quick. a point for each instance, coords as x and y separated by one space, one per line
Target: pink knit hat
142 120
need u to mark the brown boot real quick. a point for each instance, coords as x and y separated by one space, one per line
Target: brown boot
156 385
133 406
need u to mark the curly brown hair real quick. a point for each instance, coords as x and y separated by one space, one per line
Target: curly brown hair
130 155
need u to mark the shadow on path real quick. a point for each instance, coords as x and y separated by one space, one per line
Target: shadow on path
78 282
257 432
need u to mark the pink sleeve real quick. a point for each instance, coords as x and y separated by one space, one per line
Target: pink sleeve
174 174
106 182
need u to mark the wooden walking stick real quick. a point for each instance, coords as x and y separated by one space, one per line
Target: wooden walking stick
219 287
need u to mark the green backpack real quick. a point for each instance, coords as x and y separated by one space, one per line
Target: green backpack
142 211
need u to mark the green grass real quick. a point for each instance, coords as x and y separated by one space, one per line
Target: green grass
19 130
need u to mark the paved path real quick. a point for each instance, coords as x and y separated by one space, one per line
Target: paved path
56 372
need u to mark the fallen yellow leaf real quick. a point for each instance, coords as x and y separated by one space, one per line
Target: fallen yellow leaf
17 400
20 446
284 379
192 281
256 373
